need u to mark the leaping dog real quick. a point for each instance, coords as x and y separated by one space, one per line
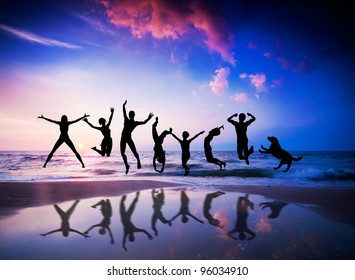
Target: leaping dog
276 150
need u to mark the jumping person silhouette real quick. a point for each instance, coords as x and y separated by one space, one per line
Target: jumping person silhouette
207 205
128 227
208 149
159 153
242 139
64 137
126 136
185 148
158 202
184 209
65 216
241 227
106 144
106 211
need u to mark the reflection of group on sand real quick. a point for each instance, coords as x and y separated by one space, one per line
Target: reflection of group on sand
130 124
244 205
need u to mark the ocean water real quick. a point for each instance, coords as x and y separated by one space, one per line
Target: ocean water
316 169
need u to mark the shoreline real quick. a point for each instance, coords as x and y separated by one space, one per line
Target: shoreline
335 204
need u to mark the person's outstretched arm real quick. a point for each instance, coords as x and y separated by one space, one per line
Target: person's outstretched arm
79 119
176 137
230 119
147 119
50 232
78 232
124 110
144 231
87 121
111 235
110 119
197 135
124 241
90 228
252 118
192 216
177 215
49 120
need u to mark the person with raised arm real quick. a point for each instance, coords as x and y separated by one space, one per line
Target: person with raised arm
65 228
159 153
106 144
184 211
126 136
129 229
64 137
208 149
242 139
185 148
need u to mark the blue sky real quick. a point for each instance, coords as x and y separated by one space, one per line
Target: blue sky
192 63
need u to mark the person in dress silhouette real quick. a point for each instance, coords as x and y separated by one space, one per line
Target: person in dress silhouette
65 228
184 209
242 139
159 153
185 148
126 137
104 225
208 149
158 202
64 137
129 229
106 144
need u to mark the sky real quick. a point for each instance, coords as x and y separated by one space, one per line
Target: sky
193 63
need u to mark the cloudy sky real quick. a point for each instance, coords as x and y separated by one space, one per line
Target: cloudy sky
193 63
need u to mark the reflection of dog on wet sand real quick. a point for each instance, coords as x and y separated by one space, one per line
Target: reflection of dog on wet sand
276 150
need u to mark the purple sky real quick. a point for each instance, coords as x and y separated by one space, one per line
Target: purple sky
191 63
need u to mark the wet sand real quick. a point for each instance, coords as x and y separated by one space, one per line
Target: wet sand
331 203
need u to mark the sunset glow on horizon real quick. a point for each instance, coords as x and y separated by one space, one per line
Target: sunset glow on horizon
192 63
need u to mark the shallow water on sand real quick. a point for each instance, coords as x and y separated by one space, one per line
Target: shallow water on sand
288 232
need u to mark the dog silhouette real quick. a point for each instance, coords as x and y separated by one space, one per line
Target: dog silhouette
276 150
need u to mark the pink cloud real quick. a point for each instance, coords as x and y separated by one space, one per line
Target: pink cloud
288 61
279 82
243 76
258 81
240 97
263 225
165 19
303 66
173 58
220 82
252 45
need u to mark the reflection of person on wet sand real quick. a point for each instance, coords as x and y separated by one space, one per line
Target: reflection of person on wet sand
126 137
106 211
242 139
159 153
185 148
275 207
207 205
208 149
184 209
64 137
106 144
241 227
65 216
158 202
128 227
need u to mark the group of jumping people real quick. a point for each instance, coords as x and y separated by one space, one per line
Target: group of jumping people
159 153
